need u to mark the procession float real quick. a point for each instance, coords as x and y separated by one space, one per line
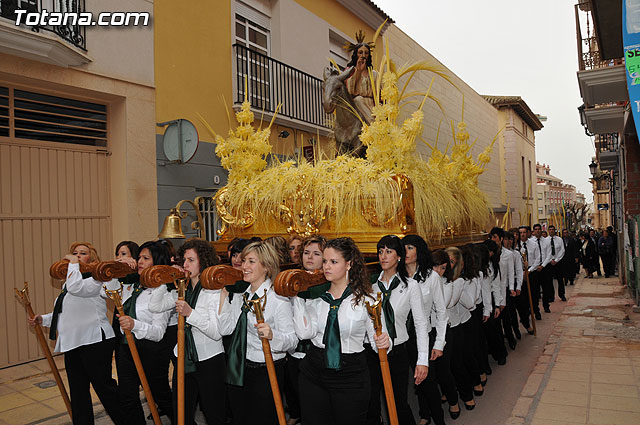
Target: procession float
375 185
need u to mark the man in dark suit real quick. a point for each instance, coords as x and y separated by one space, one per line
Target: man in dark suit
570 259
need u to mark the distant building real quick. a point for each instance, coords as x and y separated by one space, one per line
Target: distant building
552 195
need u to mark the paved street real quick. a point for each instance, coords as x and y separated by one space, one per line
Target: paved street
582 368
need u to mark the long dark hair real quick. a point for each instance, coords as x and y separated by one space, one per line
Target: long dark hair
469 269
354 56
424 260
495 258
207 255
159 253
394 242
134 249
441 257
481 255
360 285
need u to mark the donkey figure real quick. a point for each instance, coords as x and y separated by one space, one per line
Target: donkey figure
336 97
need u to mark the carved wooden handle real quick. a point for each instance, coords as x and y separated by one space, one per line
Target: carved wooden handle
289 282
58 270
107 270
217 277
154 276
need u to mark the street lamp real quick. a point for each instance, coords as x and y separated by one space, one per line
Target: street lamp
583 119
593 168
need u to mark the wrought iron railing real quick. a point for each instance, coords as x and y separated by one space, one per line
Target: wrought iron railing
271 82
71 32
607 142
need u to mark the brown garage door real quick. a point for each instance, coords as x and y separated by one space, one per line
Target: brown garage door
54 189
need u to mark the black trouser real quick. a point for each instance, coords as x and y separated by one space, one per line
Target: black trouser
557 273
522 303
505 319
481 351
207 385
495 338
334 397
292 386
399 368
91 364
155 364
459 369
253 403
608 264
546 283
428 393
442 368
535 280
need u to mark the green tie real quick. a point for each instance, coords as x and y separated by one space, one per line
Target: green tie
387 308
331 339
191 352
57 309
238 347
129 305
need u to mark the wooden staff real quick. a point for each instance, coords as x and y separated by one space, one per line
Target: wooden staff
257 307
526 277
152 277
23 297
58 270
116 297
374 312
289 283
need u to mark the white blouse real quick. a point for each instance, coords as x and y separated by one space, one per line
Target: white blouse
147 325
203 319
165 300
452 292
485 283
83 319
277 314
404 299
518 268
355 323
433 300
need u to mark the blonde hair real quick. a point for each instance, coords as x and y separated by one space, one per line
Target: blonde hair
267 256
456 269
93 254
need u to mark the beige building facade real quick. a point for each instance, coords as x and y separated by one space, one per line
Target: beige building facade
517 155
77 151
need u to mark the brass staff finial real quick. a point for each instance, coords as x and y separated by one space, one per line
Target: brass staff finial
115 295
374 311
23 294
257 306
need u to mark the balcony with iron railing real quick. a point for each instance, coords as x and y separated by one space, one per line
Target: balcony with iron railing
61 44
607 142
270 82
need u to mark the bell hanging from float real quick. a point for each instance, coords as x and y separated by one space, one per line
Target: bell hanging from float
172 227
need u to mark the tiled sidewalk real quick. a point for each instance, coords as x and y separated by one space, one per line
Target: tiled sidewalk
590 370
29 395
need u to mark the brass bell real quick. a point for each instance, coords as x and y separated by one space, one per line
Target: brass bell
172 227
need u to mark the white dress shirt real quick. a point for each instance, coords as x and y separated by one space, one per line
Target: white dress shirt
485 283
404 299
558 244
277 314
354 321
452 292
507 270
203 319
498 281
518 268
147 324
434 307
83 319
534 255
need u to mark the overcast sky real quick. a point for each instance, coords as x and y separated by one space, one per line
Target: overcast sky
513 48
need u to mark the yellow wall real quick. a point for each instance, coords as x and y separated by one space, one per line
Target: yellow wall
193 63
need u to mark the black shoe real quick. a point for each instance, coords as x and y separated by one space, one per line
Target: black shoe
563 299
547 310
483 383
454 415
517 333
512 344
478 393
469 406
530 331
488 371
501 362
538 316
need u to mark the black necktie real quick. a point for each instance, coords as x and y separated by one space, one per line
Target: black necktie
553 247
540 248
57 309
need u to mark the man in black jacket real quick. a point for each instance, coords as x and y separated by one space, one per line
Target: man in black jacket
571 257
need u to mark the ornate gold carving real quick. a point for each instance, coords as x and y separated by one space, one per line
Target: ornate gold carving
228 219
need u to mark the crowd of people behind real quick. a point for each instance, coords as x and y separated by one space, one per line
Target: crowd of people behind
445 314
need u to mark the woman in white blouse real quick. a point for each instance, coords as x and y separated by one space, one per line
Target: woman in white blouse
148 329
249 389
401 295
334 380
204 353
311 261
420 266
86 337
